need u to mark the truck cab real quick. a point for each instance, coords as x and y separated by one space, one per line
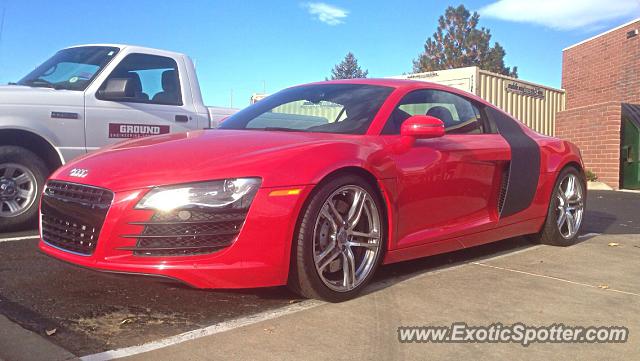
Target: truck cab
81 99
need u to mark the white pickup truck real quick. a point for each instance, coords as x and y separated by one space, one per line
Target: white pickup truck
81 99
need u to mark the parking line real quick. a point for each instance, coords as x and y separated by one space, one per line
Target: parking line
202 332
243 321
18 238
554 278
262 316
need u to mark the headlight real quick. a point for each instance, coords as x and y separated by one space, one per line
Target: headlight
229 193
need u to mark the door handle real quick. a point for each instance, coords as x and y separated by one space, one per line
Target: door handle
182 118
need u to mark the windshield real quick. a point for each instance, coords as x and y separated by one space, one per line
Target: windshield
70 69
322 108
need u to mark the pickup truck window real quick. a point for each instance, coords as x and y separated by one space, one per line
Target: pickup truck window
154 79
70 69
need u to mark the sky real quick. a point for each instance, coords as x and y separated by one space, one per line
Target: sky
241 47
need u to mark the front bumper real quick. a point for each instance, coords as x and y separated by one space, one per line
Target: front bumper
259 256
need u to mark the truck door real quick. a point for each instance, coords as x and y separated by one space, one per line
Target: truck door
158 101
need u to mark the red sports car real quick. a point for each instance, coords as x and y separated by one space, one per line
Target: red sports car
315 187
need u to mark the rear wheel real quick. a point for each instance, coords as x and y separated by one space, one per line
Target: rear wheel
340 240
22 176
566 210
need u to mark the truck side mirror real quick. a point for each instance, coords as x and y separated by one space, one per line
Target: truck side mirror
117 89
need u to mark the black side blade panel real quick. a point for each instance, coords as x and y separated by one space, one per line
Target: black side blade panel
524 171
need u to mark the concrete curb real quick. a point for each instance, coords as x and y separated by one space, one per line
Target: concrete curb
598 186
629 190
15 340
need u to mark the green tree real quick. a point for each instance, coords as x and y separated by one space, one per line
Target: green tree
458 42
348 69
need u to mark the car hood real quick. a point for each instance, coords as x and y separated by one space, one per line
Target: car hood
206 155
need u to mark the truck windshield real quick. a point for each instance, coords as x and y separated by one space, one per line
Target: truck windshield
70 69
322 108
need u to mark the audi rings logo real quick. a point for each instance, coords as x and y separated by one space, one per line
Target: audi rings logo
79 172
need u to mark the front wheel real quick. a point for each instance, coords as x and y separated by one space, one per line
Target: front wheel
340 240
566 210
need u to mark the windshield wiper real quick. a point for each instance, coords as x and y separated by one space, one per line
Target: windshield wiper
40 83
279 129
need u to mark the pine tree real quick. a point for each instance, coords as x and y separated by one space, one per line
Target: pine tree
348 69
458 42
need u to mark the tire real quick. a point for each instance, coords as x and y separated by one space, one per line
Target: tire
342 247
20 190
554 232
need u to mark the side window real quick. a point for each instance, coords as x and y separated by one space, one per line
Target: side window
459 115
154 79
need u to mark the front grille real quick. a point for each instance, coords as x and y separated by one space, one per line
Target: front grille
187 233
72 215
79 193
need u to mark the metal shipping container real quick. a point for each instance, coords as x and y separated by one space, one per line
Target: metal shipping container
533 104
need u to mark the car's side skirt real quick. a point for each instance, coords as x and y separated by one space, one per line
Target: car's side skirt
453 244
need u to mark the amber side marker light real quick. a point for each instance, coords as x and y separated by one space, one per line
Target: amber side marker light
285 192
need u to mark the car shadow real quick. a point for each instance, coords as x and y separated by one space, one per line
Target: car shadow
604 223
596 221
391 274
388 275
612 212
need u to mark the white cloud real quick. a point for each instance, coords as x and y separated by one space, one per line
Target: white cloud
562 14
328 14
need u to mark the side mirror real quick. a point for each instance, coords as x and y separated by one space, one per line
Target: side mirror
117 89
422 127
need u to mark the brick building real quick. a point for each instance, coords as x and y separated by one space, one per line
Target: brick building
599 75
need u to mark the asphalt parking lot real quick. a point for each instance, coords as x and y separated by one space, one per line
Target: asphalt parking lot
508 281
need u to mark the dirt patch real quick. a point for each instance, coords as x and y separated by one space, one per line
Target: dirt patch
127 324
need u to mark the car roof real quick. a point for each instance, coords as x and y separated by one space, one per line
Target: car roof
405 84
394 83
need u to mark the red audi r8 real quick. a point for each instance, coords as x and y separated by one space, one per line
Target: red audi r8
315 187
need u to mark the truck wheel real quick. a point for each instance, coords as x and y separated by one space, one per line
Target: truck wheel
22 176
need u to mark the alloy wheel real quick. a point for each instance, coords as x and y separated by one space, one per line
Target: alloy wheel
347 238
570 196
18 187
